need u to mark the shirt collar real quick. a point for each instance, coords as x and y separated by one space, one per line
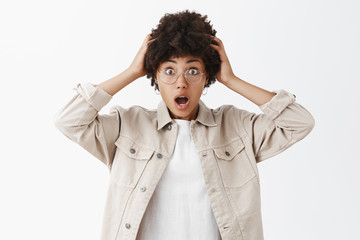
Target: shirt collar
204 115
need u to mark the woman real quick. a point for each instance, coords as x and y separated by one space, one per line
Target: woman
183 171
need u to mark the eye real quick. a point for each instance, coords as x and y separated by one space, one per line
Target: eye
193 71
169 71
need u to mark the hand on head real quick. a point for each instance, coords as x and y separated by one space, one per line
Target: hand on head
137 65
225 72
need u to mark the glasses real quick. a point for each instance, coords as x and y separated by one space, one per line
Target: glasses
169 76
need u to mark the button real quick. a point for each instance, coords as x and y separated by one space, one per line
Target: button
132 151
159 155
227 153
143 189
127 225
169 127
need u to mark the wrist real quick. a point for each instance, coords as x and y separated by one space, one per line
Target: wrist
132 74
229 81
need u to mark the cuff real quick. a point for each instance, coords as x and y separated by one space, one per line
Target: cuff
94 95
278 103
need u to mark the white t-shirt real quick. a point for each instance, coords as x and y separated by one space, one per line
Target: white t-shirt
180 207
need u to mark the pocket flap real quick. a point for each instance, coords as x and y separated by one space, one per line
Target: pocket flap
132 149
229 151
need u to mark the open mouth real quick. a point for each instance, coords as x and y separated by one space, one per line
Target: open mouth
182 103
182 100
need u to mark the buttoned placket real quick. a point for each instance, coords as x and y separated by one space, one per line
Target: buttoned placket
216 193
159 156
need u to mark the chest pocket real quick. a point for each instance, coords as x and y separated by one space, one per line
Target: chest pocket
234 164
130 161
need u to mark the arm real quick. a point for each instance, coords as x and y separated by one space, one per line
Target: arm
226 76
283 122
133 72
79 119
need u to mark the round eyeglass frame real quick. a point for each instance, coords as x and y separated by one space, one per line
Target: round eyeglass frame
177 76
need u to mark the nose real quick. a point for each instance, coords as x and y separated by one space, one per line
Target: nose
181 81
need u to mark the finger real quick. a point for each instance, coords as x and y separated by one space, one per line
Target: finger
216 47
214 41
150 40
147 41
217 40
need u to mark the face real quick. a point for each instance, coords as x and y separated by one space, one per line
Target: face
182 98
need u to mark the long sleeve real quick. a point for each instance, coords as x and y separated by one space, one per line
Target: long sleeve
80 121
282 123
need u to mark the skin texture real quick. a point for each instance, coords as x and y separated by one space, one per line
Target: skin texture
182 87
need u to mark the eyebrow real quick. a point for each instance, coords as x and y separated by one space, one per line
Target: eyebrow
189 61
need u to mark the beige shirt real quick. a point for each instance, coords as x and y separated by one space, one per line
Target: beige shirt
136 145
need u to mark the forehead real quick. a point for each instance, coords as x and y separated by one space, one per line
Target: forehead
184 60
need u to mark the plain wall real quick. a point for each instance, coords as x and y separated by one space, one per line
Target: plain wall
53 189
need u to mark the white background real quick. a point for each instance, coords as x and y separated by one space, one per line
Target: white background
53 189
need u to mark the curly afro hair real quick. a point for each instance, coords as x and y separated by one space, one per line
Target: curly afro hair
178 35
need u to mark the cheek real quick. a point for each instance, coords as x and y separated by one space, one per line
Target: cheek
200 89
196 94
165 93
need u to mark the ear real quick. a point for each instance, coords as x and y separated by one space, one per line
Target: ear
207 78
156 81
